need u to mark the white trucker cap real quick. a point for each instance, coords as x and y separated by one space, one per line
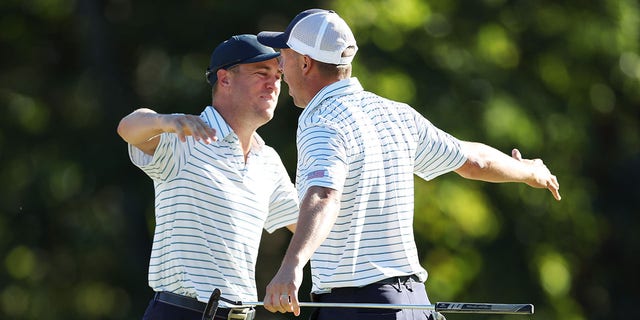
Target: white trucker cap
317 33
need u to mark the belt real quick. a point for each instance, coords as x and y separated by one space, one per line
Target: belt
193 304
402 279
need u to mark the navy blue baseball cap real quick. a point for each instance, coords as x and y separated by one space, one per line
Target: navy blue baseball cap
239 49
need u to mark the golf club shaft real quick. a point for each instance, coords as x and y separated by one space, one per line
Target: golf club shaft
444 307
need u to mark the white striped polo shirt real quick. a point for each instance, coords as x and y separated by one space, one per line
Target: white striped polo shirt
368 148
210 210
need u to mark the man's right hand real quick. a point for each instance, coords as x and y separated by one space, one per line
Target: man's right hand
282 291
188 125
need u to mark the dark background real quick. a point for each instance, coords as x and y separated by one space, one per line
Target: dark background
560 81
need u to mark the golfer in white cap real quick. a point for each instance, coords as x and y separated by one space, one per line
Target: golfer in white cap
357 156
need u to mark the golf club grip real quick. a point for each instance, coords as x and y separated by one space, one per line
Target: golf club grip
457 307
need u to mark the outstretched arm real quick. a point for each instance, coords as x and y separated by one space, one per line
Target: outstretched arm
488 164
142 128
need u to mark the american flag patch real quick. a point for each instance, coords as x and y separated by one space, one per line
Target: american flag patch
316 174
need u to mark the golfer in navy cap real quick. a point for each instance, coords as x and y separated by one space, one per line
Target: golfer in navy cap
217 185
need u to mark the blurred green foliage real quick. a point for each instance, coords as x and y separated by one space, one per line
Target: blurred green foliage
558 80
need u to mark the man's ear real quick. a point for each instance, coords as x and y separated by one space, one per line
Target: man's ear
306 64
223 77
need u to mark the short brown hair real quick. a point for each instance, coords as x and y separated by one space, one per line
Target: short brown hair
341 71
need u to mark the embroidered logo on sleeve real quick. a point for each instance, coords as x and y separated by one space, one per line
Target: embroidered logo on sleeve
316 174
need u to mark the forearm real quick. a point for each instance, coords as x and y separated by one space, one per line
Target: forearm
140 126
318 212
489 164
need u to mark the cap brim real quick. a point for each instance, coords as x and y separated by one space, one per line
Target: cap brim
261 57
273 39
212 75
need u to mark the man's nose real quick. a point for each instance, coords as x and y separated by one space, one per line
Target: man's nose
274 81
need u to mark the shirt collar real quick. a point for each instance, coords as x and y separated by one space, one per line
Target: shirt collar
223 130
342 87
211 116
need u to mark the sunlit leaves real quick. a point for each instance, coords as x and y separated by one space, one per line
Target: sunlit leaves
467 216
452 271
602 97
630 64
403 14
495 45
506 121
20 262
51 9
451 57
385 22
82 107
438 25
394 84
559 80
65 181
628 24
23 267
469 210
453 225
554 272
550 19
15 300
152 72
29 113
159 72
96 299
13 28
554 72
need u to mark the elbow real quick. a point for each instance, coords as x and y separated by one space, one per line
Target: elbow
123 129
128 128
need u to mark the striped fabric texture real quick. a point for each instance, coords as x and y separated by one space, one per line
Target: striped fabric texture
210 209
369 148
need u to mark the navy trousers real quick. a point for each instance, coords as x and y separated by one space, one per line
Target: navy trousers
162 311
403 290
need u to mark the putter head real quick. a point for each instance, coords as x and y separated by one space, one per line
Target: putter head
212 305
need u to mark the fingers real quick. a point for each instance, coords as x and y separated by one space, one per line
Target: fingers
546 179
181 134
554 187
191 125
289 303
295 305
270 303
275 302
281 301
200 130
